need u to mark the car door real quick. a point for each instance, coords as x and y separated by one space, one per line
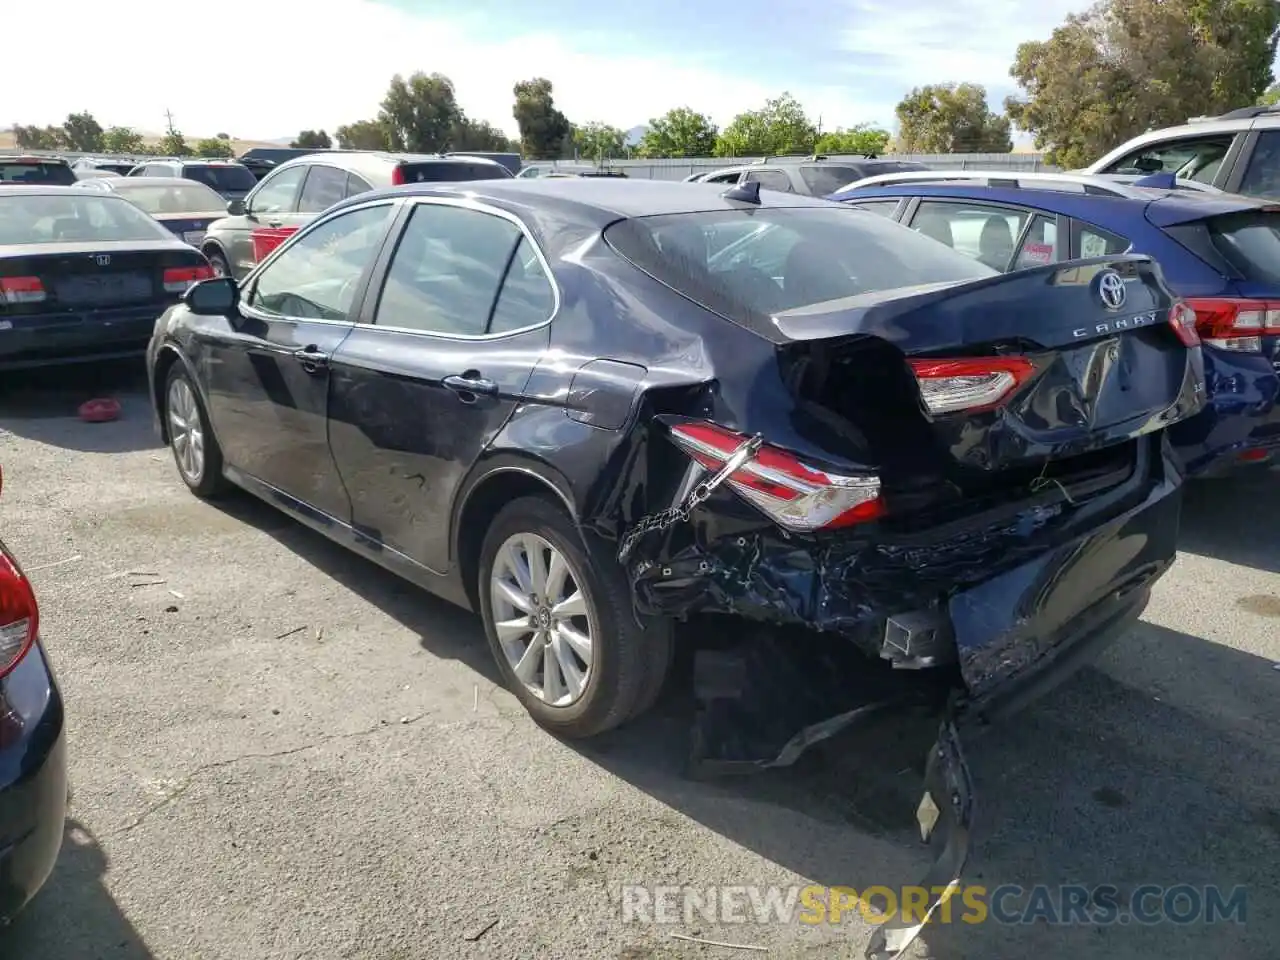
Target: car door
991 233
267 373
322 187
449 337
266 207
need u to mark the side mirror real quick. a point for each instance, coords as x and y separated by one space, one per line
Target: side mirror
217 297
236 208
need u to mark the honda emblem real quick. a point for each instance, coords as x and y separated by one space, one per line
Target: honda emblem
102 259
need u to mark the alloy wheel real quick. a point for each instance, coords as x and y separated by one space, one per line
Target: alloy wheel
544 622
186 432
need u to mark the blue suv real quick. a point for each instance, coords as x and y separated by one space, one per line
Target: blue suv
1219 251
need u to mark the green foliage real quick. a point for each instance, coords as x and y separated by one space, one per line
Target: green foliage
123 140
1270 97
363 135
312 140
679 133
598 141
420 114
214 147
481 135
174 144
544 131
38 138
780 127
1127 66
82 133
951 118
861 140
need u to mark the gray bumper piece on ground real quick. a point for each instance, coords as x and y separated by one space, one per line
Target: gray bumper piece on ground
945 815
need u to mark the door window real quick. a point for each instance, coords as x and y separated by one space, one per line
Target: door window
885 208
1262 178
324 187
726 177
770 180
1191 158
1096 242
317 276
985 232
1040 246
276 193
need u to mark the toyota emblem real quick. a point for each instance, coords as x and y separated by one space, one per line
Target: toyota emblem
102 259
1111 289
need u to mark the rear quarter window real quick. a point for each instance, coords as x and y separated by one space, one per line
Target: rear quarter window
1250 242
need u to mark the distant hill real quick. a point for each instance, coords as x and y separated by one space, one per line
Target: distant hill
7 143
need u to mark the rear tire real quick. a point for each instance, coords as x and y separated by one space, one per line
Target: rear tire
195 449
528 614
218 260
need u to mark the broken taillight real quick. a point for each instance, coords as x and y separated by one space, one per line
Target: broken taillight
971 384
19 614
789 491
1239 325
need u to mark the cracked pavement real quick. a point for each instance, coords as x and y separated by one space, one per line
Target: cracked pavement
278 750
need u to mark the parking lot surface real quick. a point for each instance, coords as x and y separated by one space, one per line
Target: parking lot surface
278 750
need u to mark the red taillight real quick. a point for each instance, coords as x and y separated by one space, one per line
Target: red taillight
19 614
21 290
397 176
792 493
970 384
1232 323
177 279
1182 318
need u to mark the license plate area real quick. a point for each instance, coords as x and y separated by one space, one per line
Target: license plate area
193 237
96 290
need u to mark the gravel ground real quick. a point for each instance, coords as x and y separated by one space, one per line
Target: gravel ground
281 751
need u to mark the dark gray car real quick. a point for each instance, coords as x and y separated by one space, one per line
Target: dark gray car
230 179
807 176
292 194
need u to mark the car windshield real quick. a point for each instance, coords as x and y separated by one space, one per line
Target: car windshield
42 172
171 198
226 176
748 263
453 172
73 216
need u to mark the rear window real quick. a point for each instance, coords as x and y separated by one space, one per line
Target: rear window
229 177
823 180
36 171
73 217
1250 242
166 198
453 172
748 264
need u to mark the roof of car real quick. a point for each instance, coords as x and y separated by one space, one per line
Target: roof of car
130 182
47 190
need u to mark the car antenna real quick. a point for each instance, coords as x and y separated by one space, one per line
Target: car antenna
748 192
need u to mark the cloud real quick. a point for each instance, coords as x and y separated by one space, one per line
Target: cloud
268 68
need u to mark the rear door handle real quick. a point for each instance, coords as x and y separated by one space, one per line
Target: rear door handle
471 385
312 360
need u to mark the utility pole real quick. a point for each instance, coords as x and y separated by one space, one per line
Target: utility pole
168 119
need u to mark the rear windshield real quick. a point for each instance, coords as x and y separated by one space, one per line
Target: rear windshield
120 168
453 172
1250 242
229 177
36 171
73 217
166 198
745 264
824 179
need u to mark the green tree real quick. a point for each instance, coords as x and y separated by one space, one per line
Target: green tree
38 138
362 135
1270 97
214 147
83 133
597 141
780 127
123 140
951 118
679 133
544 130
174 144
312 140
1126 66
480 135
419 114
862 140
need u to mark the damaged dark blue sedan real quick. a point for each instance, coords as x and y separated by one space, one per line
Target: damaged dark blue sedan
588 410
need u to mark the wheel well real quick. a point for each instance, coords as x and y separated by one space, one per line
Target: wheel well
484 502
164 363
215 247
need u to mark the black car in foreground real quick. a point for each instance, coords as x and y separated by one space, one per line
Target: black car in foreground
33 762
83 276
588 409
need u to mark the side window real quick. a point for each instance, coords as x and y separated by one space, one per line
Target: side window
985 232
885 208
727 177
1189 158
526 298
317 276
1096 242
323 187
770 180
447 268
1040 245
276 193
1262 177
357 185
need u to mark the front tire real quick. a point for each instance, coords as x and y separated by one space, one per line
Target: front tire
218 260
561 626
195 449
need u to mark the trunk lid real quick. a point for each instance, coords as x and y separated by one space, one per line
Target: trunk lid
1088 374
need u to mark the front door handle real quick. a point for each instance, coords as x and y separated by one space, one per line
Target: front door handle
471 385
275 223
312 359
